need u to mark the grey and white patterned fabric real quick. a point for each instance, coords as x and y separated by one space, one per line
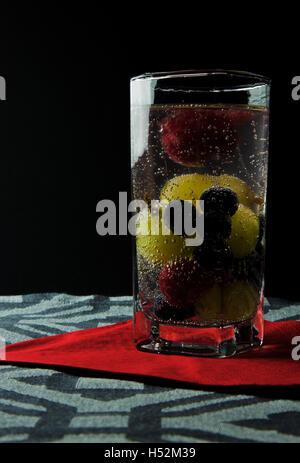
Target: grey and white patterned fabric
65 405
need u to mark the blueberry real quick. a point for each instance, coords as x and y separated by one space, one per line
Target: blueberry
216 224
218 198
214 255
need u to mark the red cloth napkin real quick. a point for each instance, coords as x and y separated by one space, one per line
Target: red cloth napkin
111 349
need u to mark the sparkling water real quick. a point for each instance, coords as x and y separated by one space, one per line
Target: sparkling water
180 152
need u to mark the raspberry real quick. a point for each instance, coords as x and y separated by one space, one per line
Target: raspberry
194 136
241 117
182 282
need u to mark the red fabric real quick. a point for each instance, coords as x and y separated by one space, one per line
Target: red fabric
111 349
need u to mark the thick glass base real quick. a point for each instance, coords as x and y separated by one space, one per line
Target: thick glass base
206 341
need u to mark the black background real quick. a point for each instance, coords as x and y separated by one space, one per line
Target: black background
65 134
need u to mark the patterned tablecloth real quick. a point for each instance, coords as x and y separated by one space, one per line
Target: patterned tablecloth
47 405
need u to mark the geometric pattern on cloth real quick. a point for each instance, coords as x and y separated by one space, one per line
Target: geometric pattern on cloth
53 405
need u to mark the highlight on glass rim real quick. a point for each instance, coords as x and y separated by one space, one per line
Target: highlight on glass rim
200 136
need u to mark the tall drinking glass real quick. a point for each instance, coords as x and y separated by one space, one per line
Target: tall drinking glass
199 151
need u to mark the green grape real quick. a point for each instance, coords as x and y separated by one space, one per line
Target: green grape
244 232
209 306
240 300
186 187
246 195
235 301
159 249
191 187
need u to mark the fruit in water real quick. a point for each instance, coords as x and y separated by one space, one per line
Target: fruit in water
188 211
241 117
167 312
222 199
186 187
239 300
235 301
194 136
159 249
250 267
214 255
191 187
245 194
216 224
163 310
209 305
244 223
244 232
183 281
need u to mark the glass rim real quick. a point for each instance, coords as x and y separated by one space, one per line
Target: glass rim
258 79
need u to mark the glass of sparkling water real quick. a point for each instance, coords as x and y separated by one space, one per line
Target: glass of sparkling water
199 152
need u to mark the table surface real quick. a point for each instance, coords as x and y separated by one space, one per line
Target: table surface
48 405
